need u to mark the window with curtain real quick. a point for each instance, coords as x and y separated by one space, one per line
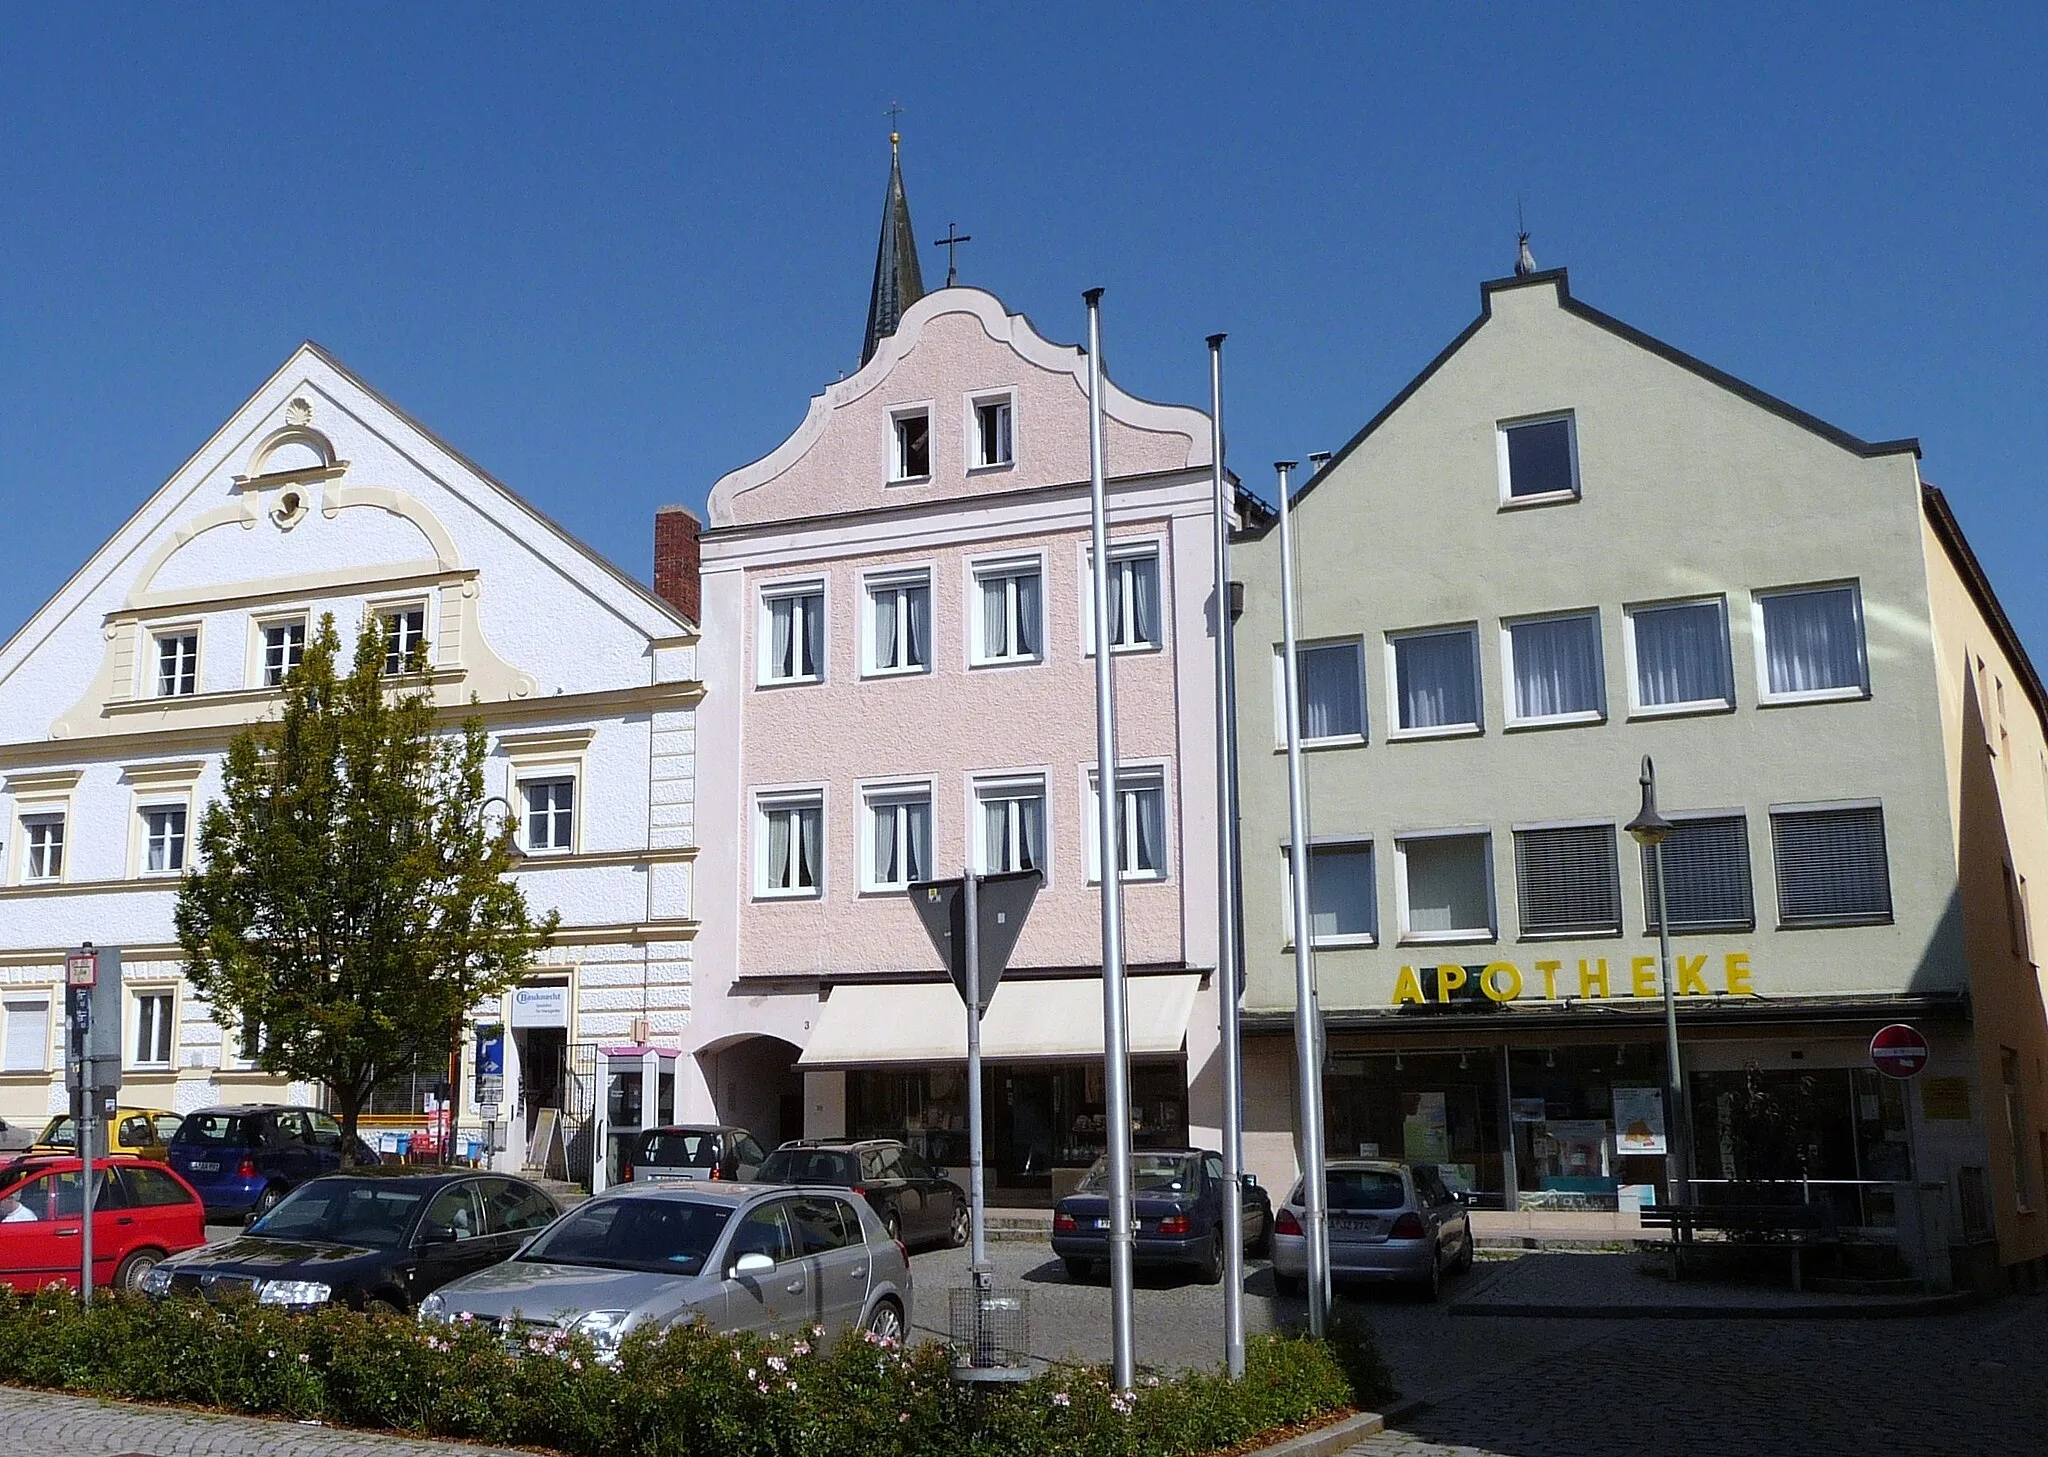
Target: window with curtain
793 636
1681 655
1436 679
152 1046
1556 667
1008 627
792 847
1140 825
177 664
1446 886
1133 599
900 624
1832 867
43 858
1568 880
163 839
899 839
1706 865
1343 908
1813 642
1331 680
1012 824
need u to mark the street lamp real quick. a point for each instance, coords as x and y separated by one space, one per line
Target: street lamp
1651 829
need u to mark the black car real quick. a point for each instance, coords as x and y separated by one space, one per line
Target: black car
916 1201
1177 1195
372 1239
690 1151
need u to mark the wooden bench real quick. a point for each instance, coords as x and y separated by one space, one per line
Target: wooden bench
1794 1228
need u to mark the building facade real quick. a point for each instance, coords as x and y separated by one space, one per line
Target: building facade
1586 548
119 697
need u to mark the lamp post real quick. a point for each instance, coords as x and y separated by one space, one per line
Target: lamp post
1651 829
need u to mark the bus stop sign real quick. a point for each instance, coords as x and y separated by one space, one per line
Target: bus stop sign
1899 1051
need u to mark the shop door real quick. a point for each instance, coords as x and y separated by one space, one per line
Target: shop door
1023 1126
542 1053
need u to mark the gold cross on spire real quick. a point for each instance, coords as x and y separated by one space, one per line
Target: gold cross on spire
895 136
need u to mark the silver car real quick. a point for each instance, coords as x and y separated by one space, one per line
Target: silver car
736 1256
1388 1221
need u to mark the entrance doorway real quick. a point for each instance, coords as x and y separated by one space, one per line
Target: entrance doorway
543 1061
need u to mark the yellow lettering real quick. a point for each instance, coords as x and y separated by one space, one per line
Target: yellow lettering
1407 988
1590 979
1448 979
1550 969
1508 987
1736 963
1642 977
1691 980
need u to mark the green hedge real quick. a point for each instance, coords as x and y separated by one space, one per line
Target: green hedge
685 1392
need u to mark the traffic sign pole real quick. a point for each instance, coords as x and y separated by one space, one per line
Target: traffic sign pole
977 1252
1901 1053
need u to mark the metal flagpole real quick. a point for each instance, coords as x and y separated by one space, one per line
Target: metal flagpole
977 1249
1307 1041
1116 1041
1227 988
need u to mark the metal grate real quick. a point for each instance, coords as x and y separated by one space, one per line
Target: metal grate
991 1335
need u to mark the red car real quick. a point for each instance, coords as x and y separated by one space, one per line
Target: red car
142 1212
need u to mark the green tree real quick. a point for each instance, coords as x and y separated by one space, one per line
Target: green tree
351 901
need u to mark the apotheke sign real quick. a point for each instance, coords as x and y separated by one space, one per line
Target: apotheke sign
1590 979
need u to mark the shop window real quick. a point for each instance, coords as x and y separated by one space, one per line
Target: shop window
2016 1127
26 1048
1012 824
1330 677
177 664
790 834
1446 887
1678 656
1568 880
1343 905
899 838
1436 681
792 646
1707 862
1554 670
1811 644
1539 460
1140 825
1832 868
899 623
284 648
1007 626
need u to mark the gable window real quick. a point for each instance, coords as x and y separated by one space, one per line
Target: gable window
793 634
1140 825
1706 862
43 838
1539 460
1012 824
284 648
1330 677
550 806
163 844
1678 656
1568 880
1812 644
177 664
992 435
1343 906
1832 868
791 834
1133 598
1446 886
1436 681
26 1048
899 623
405 640
152 1044
1008 626
911 455
899 838
1554 670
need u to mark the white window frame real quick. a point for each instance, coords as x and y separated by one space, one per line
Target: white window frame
12 1005
1327 943
1127 550
1411 937
1393 674
166 1030
33 818
972 453
895 474
383 612
537 757
146 835
536 777
1764 696
260 647
895 579
1639 709
1004 566
764 629
769 802
1019 785
892 794
158 638
1132 778
1513 719
1331 741
1508 500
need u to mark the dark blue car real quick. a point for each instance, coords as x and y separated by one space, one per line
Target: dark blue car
245 1157
1178 1196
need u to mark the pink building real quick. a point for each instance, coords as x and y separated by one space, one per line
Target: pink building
899 684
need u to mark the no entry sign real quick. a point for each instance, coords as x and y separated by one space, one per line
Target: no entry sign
1899 1051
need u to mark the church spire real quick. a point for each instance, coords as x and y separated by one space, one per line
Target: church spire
899 282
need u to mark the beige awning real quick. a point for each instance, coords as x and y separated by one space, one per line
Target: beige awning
1027 1020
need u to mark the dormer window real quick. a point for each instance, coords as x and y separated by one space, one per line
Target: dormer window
993 438
911 457
1539 460
177 664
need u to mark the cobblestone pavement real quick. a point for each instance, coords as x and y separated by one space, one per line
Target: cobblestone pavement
39 1422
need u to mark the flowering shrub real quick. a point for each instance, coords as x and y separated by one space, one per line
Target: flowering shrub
674 1394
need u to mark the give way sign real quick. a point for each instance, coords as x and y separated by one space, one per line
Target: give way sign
1899 1051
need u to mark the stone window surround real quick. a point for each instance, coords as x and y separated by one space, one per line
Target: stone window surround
160 785
547 754
37 794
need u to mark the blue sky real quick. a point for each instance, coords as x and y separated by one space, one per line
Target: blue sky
610 255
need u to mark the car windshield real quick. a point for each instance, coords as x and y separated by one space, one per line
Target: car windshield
679 1151
342 1211
1366 1189
666 1236
1151 1173
214 1128
58 1132
807 1166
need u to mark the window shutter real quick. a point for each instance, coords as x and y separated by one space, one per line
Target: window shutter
28 1037
1569 879
1831 865
1708 862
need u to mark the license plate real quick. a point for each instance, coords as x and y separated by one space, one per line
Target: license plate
1354 1226
203 1168
1100 1223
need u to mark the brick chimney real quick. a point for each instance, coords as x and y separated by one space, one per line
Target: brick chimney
676 559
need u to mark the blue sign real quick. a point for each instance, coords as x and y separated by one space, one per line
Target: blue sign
490 1052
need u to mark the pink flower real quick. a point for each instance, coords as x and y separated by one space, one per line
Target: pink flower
902 1416
764 1388
777 1364
1060 1398
304 1358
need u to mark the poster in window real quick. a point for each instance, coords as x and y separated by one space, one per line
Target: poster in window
1425 1127
1639 1121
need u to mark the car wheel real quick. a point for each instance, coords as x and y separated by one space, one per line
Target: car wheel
266 1201
1431 1287
1209 1270
1078 1270
131 1272
961 1227
1288 1284
886 1321
1464 1261
892 1226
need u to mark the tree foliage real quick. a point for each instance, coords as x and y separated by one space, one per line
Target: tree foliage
352 901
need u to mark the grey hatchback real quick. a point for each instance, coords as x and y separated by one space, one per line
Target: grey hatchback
735 1256
1389 1220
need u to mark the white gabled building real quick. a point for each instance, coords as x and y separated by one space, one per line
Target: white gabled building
118 697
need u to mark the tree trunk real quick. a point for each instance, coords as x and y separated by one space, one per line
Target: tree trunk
349 1103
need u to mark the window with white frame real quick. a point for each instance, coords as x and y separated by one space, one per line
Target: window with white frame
910 445
1554 669
1012 831
793 634
1133 598
1678 655
26 1044
251 1040
1446 886
177 664
549 814
993 443
1811 642
1539 460
42 837
1832 866
789 856
899 623
1568 880
1330 679
1436 680
899 838
1343 903
163 839
1706 870
284 648
1008 613
151 1046
405 639
1140 824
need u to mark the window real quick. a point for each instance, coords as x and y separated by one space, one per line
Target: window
912 456
251 1041
2016 920
1012 825
1539 460
791 835
1008 627
1140 825
1678 654
1343 906
1706 860
900 624
44 838
1812 644
1554 669
27 1045
284 648
1446 886
2016 1126
1133 598
793 634
1831 865
152 1044
550 814
405 640
1331 680
1568 880
163 839
1436 681
992 434
177 664
899 838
